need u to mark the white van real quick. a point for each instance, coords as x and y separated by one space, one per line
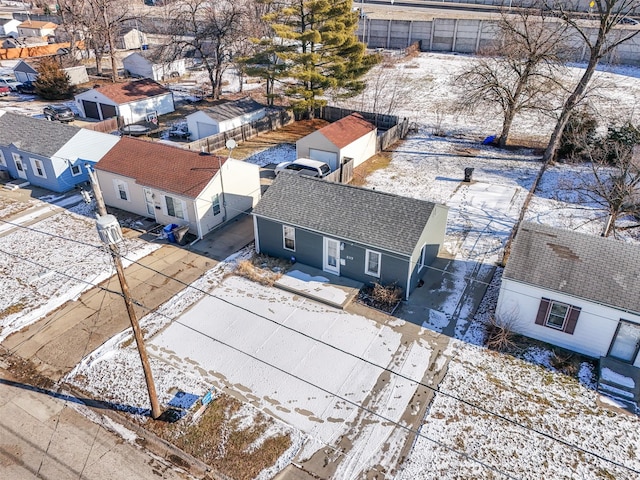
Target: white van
305 166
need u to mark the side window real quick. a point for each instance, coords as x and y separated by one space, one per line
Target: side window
75 170
122 190
174 207
372 263
38 167
289 237
215 204
558 315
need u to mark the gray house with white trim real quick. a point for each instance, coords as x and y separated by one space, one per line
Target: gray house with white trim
363 234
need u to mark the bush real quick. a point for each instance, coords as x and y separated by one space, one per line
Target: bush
500 335
52 83
578 136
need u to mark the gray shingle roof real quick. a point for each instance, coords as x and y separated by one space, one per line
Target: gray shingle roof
34 135
228 110
380 220
599 269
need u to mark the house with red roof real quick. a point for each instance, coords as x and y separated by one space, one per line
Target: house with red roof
350 137
172 185
135 101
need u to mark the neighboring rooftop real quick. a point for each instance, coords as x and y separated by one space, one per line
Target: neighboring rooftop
369 217
131 91
33 134
602 270
233 109
37 24
347 130
162 166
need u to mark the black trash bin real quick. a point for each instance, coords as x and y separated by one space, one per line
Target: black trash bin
180 234
468 173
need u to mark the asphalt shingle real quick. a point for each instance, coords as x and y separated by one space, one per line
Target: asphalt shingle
602 270
369 217
33 134
233 109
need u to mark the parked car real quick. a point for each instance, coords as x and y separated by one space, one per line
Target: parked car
10 82
27 87
59 113
179 131
305 166
4 91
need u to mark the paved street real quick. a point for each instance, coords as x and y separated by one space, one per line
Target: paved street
42 436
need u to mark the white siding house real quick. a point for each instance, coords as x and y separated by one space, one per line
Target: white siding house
576 291
223 117
143 64
133 101
9 27
177 186
350 137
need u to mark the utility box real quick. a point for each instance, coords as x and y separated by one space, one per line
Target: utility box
468 173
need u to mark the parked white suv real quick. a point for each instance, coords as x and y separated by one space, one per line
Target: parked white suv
10 82
305 166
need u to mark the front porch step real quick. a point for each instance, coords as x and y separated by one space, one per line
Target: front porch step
16 184
619 394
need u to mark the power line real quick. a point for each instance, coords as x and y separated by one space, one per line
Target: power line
386 369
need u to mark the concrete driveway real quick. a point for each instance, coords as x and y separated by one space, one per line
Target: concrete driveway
221 243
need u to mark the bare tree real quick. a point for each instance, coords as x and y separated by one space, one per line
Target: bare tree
521 72
614 180
599 40
72 22
207 30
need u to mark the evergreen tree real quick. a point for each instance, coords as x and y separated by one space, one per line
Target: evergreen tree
52 83
324 53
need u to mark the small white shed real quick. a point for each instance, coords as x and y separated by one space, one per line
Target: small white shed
146 65
350 137
134 101
131 39
223 117
77 75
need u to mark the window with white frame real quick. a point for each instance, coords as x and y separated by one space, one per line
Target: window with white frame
174 207
558 315
3 162
76 170
289 237
38 168
215 203
122 190
423 256
372 263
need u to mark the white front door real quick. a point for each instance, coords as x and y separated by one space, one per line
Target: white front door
626 343
331 262
148 197
22 173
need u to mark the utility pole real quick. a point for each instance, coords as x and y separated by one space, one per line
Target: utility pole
111 234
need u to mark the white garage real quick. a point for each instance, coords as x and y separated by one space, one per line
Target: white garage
223 117
350 137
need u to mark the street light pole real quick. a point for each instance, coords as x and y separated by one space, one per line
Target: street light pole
111 234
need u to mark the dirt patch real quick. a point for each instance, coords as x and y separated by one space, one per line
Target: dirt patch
288 134
220 440
379 161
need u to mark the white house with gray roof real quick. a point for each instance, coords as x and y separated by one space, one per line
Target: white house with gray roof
46 154
363 234
223 117
578 292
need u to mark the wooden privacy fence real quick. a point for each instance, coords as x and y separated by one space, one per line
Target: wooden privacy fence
344 174
392 135
271 121
105 126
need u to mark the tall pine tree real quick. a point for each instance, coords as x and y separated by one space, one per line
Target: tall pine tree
325 53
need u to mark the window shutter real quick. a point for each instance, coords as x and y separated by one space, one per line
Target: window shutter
542 311
574 313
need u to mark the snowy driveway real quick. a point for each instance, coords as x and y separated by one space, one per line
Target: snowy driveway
323 371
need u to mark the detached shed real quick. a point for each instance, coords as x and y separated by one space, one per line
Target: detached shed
147 64
134 101
349 137
223 117
131 39
25 72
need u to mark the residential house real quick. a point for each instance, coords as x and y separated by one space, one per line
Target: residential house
177 186
148 64
133 101
51 155
131 39
350 137
363 234
9 27
576 291
25 72
39 29
223 117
